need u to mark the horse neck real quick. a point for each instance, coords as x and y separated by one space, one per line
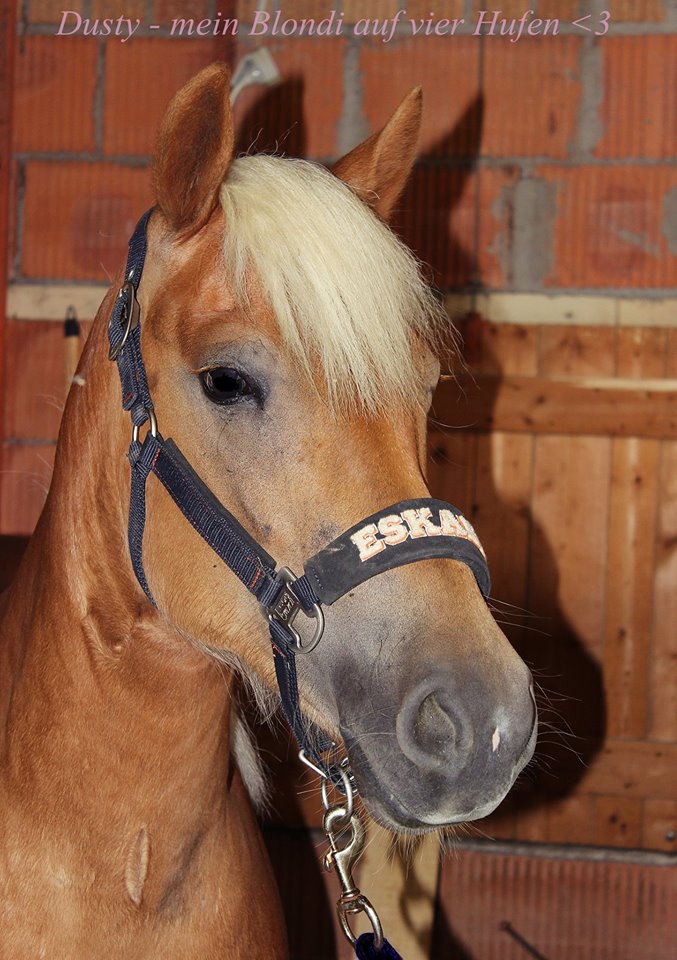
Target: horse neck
109 714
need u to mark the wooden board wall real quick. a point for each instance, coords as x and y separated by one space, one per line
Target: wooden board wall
577 509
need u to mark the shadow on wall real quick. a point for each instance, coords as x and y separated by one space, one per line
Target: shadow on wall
434 191
274 123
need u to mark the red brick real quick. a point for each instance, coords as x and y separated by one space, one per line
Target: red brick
55 84
390 71
298 10
639 110
562 10
35 388
24 481
637 10
46 11
532 91
111 8
508 8
300 116
78 218
164 11
381 9
141 78
608 227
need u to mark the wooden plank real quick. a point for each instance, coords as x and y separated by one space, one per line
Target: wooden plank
632 768
574 406
571 820
578 351
659 826
531 823
630 565
49 302
568 541
502 519
642 352
671 354
629 584
558 309
618 822
509 349
663 683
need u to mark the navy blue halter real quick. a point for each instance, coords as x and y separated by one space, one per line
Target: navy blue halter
399 534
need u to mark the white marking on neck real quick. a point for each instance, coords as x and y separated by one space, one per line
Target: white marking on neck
496 740
136 867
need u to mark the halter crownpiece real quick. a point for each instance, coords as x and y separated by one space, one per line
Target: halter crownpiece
403 533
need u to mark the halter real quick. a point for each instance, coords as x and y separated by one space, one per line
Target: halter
402 533
399 534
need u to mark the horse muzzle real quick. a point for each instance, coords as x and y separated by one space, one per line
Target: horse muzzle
449 754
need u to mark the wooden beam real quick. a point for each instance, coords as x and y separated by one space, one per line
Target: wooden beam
36 301
596 406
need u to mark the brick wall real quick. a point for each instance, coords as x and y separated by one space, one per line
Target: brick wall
86 111
546 163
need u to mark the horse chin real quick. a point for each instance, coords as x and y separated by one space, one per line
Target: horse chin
423 802
390 813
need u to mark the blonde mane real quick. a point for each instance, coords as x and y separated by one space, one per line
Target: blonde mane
347 294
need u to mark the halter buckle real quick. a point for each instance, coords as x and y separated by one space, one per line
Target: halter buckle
287 607
130 315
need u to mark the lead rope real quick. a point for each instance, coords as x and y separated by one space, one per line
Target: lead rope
345 835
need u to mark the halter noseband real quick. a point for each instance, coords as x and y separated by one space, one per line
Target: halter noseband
397 535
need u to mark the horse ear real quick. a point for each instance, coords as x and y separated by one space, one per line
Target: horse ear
378 169
194 150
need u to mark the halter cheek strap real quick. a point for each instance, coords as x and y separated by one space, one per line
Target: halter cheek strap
403 533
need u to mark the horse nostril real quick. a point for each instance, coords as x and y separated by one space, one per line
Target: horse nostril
431 730
434 729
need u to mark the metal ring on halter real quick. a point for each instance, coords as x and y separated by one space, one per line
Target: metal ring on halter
347 786
152 420
131 313
359 904
287 607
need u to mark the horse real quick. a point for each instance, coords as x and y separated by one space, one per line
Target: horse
289 342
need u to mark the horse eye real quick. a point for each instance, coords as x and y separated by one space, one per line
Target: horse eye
224 385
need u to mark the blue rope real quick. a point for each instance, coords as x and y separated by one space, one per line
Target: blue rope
366 950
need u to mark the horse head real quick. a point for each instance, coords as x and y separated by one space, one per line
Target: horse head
289 342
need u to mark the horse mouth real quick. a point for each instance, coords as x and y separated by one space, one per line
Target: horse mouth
432 804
